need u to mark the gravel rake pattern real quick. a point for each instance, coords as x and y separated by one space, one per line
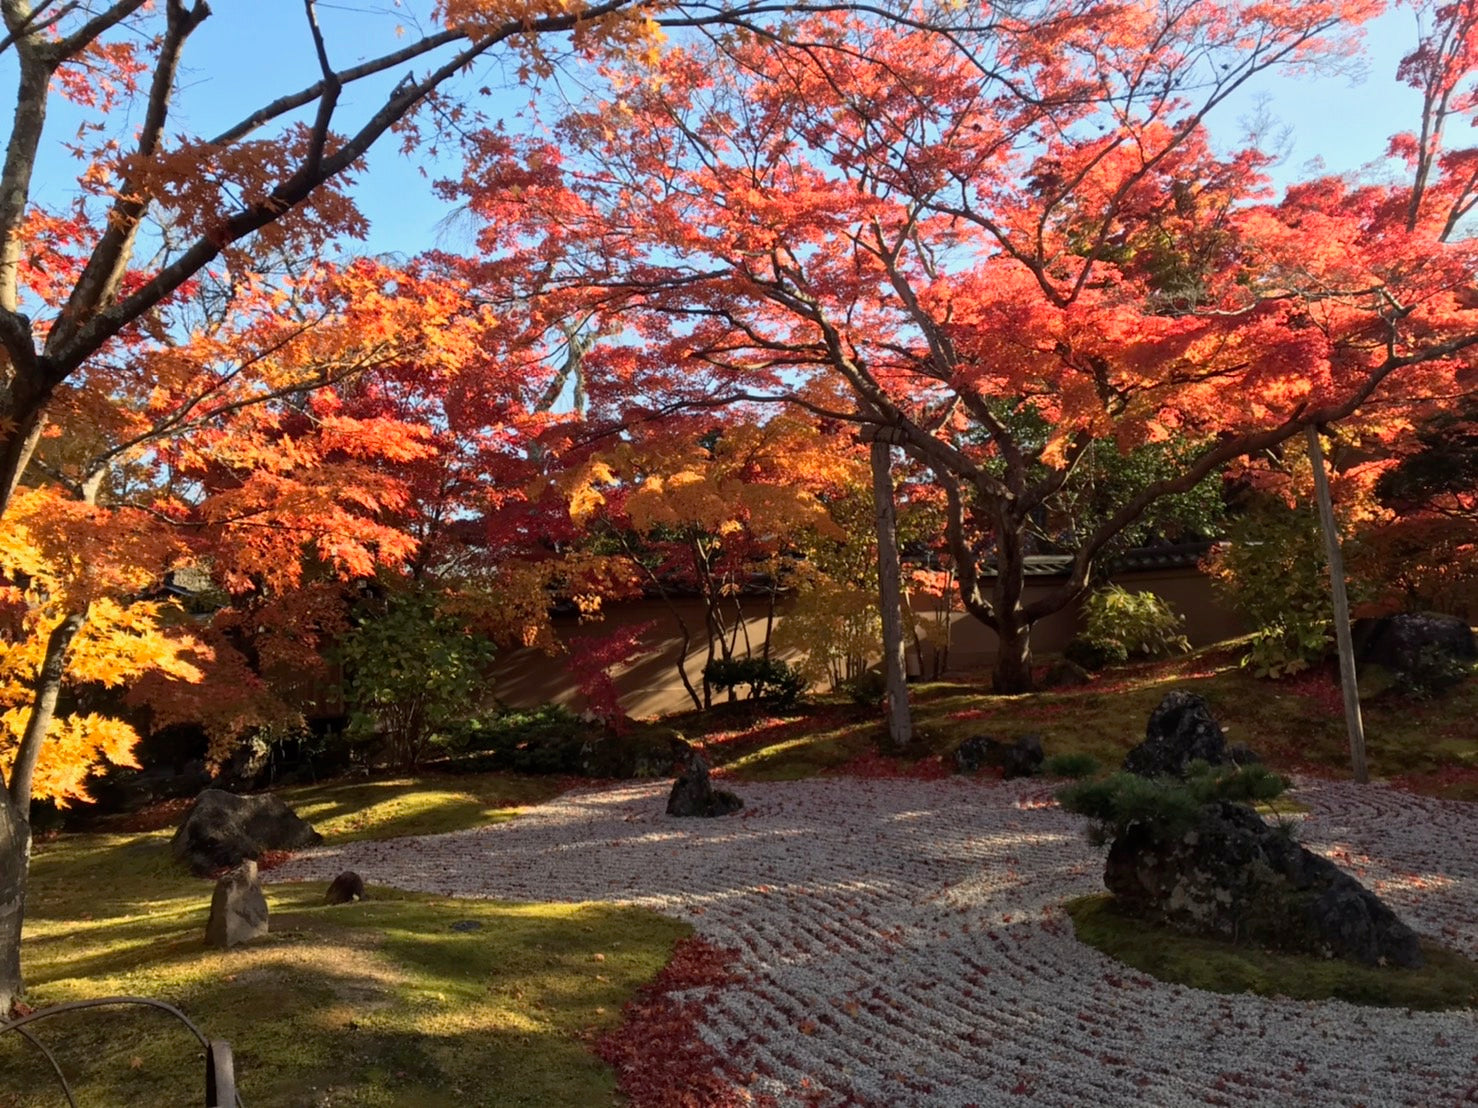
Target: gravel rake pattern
902 943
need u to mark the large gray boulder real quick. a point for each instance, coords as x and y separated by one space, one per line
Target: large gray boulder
238 909
1397 642
1232 875
223 829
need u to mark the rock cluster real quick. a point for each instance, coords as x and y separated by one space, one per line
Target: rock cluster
1021 758
1397 642
1233 875
1181 730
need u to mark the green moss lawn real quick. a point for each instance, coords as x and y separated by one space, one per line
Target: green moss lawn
383 1002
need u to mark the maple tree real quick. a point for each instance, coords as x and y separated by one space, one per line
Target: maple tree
1002 243
944 249
219 442
74 280
711 508
1421 550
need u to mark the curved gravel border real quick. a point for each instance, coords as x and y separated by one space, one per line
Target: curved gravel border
902 943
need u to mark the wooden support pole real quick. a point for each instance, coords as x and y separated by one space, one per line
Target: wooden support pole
890 596
1343 642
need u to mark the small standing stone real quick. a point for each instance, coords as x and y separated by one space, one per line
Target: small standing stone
346 887
693 793
238 910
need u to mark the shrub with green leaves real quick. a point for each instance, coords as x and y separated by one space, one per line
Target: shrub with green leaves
1095 655
1076 764
1114 803
1119 625
552 739
1291 644
410 671
775 682
1273 571
868 688
546 739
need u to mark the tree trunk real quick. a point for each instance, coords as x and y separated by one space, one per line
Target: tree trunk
19 445
770 608
890 596
15 806
682 624
14 853
1013 668
1013 671
682 661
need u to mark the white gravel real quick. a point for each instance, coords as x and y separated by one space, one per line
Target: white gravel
902 943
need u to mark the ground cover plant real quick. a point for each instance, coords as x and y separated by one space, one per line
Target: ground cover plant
400 999
429 803
1296 724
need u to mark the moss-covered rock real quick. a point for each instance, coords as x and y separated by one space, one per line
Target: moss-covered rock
1446 980
1232 875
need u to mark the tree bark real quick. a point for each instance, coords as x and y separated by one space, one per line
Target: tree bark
48 690
682 659
890 596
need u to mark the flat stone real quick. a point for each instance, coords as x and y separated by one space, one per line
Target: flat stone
1023 757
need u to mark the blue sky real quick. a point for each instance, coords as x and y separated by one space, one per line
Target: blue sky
249 52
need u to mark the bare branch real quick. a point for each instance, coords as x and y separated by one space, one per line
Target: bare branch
105 268
98 25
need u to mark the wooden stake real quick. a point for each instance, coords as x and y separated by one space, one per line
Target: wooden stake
890 596
1353 723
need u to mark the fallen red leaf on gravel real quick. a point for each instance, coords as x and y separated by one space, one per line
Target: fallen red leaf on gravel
659 1058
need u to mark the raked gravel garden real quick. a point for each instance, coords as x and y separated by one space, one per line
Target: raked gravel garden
903 942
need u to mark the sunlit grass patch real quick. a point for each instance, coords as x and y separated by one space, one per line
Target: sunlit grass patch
426 804
380 1002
